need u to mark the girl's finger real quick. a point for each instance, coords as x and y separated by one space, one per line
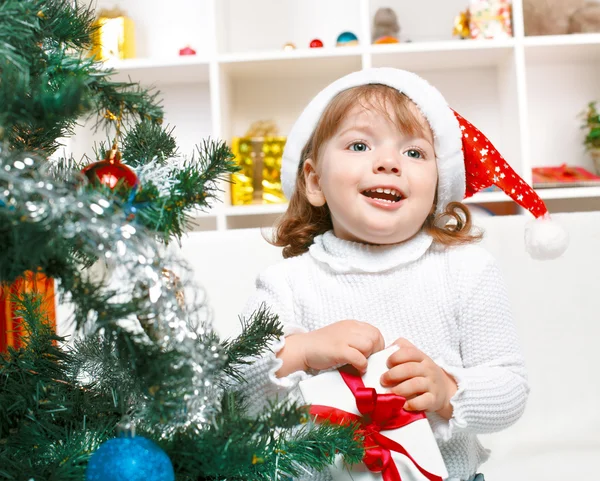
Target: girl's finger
356 358
365 344
405 354
411 388
424 402
402 373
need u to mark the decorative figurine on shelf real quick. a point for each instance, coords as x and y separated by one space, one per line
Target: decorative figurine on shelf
461 25
259 155
346 39
490 19
289 46
385 26
187 50
316 43
114 36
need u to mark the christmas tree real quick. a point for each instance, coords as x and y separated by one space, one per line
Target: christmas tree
144 389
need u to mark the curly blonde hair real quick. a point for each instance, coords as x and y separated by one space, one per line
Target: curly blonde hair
296 230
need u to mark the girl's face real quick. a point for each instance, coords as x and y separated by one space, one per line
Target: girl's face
378 183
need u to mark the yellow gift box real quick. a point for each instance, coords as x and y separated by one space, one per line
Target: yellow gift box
114 36
259 178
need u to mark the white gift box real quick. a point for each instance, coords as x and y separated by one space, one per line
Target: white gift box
329 389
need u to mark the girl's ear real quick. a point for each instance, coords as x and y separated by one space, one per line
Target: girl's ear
314 194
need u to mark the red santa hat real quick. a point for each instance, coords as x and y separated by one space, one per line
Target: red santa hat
467 161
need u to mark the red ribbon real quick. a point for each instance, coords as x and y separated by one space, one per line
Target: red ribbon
380 412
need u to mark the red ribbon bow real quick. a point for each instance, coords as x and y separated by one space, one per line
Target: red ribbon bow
380 412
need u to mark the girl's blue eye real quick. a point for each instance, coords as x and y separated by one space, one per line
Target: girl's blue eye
359 147
414 153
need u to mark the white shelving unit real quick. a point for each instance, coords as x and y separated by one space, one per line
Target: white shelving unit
525 93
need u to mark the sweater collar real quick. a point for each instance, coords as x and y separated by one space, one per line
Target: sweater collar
346 256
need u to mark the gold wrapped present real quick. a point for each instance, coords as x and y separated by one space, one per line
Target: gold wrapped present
114 36
259 155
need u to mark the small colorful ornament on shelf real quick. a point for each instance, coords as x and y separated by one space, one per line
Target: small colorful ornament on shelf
114 36
386 28
259 155
289 46
490 19
187 50
316 43
111 172
346 39
129 458
461 25
12 333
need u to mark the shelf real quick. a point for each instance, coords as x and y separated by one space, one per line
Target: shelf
479 198
259 25
178 70
564 40
266 209
442 55
294 63
254 209
556 49
569 193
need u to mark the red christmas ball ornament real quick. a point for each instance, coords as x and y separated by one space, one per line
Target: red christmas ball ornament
110 171
316 43
187 50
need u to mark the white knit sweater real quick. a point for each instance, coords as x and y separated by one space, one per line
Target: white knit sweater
449 302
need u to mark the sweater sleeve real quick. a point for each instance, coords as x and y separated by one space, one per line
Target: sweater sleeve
261 385
492 381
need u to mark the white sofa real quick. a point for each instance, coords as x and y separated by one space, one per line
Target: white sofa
556 310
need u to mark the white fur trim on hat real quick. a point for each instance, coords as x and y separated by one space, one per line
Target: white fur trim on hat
431 103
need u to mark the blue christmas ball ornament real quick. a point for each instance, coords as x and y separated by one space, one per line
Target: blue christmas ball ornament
129 459
346 39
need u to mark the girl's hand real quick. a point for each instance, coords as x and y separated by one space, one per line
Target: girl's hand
414 375
343 342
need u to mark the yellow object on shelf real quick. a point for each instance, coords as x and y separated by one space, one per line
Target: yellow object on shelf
259 180
114 36
461 25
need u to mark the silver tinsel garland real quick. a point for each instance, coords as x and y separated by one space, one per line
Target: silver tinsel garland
97 227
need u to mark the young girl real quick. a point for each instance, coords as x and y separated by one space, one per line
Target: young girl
379 250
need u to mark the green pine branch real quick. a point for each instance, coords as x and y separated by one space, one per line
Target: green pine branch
236 447
261 329
148 141
194 184
137 354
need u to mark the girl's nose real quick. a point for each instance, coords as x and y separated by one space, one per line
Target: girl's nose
388 163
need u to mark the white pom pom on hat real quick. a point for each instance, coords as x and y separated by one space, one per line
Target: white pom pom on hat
466 159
